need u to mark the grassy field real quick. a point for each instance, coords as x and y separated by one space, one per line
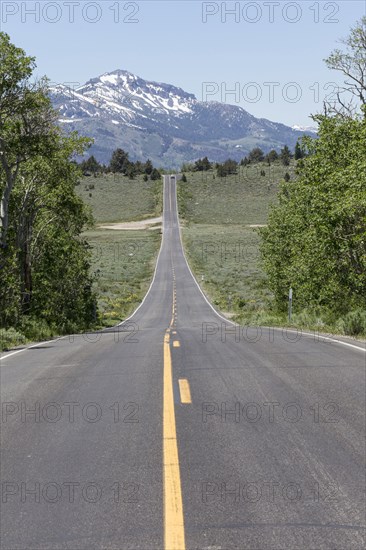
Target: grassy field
114 198
123 261
242 198
225 259
221 239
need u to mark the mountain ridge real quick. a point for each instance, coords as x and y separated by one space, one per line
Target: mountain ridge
163 122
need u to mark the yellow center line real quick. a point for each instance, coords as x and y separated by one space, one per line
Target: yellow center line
173 505
174 306
185 392
174 538
176 344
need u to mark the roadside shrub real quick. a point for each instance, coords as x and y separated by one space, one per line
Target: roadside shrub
10 338
354 323
36 329
310 318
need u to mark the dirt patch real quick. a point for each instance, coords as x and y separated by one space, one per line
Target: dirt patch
228 314
257 225
151 223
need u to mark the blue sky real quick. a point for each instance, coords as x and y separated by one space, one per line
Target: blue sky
270 53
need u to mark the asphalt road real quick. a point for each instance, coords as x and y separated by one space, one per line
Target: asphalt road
179 430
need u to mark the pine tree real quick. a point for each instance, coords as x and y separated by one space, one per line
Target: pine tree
298 151
285 156
90 165
119 161
202 165
148 167
256 155
271 156
155 174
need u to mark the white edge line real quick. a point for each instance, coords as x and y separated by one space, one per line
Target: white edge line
32 346
237 324
319 336
156 266
189 269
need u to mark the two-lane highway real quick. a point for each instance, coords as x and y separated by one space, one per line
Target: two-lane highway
179 430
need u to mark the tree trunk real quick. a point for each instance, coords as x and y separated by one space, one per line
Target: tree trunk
27 270
10 177
4 216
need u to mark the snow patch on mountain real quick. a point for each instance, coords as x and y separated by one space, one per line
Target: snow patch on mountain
311 129
122 93
163 122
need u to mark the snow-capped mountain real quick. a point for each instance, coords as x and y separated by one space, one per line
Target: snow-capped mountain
162 122
311 129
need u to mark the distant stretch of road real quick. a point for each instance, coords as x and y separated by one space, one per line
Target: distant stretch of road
178 429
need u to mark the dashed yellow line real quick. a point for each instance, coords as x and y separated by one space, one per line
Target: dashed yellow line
185 392
173 505
174 538
176 344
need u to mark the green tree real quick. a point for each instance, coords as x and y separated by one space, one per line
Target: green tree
351 62
315 240
119 161
202 165
130 170
228 167
285 156
46 219
90 165
27 121
139 167
272 156
256 155
298 151
45 263
244 161
148 167
155 174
